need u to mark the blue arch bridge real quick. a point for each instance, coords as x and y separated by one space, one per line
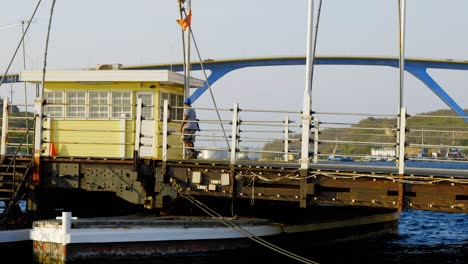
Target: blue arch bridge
395 163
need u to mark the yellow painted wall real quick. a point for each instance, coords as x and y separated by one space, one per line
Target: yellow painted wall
90 138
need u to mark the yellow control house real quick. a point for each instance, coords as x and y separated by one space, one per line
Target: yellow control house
96 113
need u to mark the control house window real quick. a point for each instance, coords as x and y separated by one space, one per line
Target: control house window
98 105
176 102
54 106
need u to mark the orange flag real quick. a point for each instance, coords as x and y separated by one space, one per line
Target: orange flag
184 23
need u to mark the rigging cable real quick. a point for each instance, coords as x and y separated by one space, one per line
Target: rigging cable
19 44
232 225
208 85
46 48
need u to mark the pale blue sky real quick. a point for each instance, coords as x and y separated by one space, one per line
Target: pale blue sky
89 32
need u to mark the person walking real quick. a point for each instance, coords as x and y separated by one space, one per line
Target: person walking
188 128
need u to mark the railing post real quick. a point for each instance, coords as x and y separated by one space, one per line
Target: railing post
305 141
3 147
38 148
165 129
286 139
307 98
316 138
136 148
402 142
123 126
47 134
401 157
235 133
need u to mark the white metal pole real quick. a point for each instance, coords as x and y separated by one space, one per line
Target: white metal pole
25 84
3 147
165 130
316 139
286 139
307 103
48 133
38 140
234 133
401 143
39 111
402 10
187 55
138 126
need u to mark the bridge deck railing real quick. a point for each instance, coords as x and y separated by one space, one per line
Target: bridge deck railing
236 133
442 138
15 120
274 136
371 137
264 135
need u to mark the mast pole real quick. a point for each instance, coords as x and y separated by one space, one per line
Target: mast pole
402 12
181 12
307 102
187 56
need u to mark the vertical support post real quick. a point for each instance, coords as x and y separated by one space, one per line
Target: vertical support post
401 157
402 14
401 126
165 130
235 133
48 133
188 66
136 148
402 142
3 147
286 139
316 139
123 129
38 147
307 103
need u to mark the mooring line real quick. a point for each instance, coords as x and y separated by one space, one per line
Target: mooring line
232 225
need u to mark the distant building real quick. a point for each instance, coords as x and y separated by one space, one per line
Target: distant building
385 152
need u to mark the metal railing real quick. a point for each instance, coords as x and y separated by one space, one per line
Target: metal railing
17 137
275 136
263 135
371 138
244 134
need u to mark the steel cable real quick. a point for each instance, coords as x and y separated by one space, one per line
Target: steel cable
247 233
19 44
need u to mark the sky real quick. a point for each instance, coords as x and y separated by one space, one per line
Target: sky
87 32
